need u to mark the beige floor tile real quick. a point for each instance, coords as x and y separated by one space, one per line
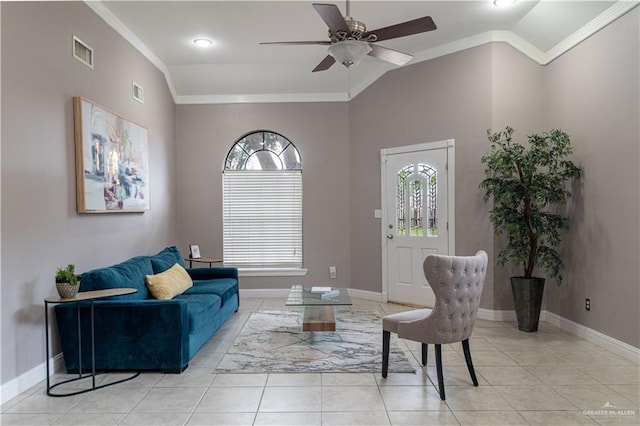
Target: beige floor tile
535 357
501 376
239 380
351 398
155 419
111 400
493 418
534 398
89 419
291 399
630 392
570 356
411 398
561 375
413 418
614 375
294 379
193 377
476 344
494 357
170 400
40 403
284 419
348 379
144 380
355 418
454 376
594 397
27 419
230 419
556 418
230 400
471 398
404 379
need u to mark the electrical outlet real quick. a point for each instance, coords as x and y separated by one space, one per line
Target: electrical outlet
587 304
332 272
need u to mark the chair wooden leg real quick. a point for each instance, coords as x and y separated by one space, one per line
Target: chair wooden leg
424 353
467 357
439 370
386 337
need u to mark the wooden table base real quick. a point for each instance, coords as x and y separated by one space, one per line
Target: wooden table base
319 318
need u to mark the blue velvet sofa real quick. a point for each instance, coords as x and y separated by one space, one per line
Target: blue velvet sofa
138 332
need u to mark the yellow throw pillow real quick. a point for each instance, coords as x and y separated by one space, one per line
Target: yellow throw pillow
170 283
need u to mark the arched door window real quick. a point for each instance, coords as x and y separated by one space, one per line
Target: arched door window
262 202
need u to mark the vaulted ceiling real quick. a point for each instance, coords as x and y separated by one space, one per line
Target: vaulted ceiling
238 69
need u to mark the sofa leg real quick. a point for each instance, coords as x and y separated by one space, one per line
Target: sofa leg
175 370
386 337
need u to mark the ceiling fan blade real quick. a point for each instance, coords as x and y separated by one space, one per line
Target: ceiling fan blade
325 64
389 55
420 25
331 16
326 43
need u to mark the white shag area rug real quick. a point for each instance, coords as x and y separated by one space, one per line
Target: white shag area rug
273 342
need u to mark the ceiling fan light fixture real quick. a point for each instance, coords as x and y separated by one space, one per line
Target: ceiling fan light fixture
503 3
349 52
203 42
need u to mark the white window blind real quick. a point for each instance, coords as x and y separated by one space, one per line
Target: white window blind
262 218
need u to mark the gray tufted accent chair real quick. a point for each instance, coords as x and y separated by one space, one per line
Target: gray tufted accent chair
457 282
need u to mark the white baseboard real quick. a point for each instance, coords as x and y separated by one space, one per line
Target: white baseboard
616 346
23 382
491 315
366 295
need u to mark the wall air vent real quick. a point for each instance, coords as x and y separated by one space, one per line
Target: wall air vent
82 52
137 92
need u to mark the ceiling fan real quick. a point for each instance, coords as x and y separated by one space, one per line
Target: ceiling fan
349 40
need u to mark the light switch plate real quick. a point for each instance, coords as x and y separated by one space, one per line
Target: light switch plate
377 213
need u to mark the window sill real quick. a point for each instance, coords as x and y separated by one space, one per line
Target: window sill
272 272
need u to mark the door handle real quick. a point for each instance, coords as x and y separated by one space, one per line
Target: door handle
390 236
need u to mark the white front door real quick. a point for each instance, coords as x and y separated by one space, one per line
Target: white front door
417 214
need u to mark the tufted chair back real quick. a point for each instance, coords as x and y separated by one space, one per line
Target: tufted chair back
457 282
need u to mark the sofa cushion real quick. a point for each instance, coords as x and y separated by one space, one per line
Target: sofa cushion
201 309
226 288
170 283
166 259
130 273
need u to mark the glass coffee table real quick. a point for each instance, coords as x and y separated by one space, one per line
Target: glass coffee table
318 303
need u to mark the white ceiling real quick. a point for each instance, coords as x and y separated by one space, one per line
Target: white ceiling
238 69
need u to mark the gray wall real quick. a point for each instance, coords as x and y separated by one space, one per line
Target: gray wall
205 133
593 94
445 98
40 228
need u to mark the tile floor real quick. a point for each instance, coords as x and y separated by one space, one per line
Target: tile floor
546 378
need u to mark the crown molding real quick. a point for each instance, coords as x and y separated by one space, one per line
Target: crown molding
614 12
596 24
119 27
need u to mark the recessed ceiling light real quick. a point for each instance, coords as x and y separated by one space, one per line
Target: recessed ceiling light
203 42
503 3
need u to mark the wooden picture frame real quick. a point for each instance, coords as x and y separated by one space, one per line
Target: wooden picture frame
112 161
194 251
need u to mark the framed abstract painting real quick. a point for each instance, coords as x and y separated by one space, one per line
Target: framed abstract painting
112 161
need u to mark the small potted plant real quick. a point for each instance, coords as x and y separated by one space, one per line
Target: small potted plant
67 282
528 187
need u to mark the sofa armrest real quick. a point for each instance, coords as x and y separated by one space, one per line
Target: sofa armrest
129 334
212 273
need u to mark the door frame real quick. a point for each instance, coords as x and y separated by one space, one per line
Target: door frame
449 144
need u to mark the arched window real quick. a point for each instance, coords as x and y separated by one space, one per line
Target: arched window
262 202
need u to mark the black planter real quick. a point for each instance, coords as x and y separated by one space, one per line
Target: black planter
527 298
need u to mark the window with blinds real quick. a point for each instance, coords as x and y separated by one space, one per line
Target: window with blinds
262 203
